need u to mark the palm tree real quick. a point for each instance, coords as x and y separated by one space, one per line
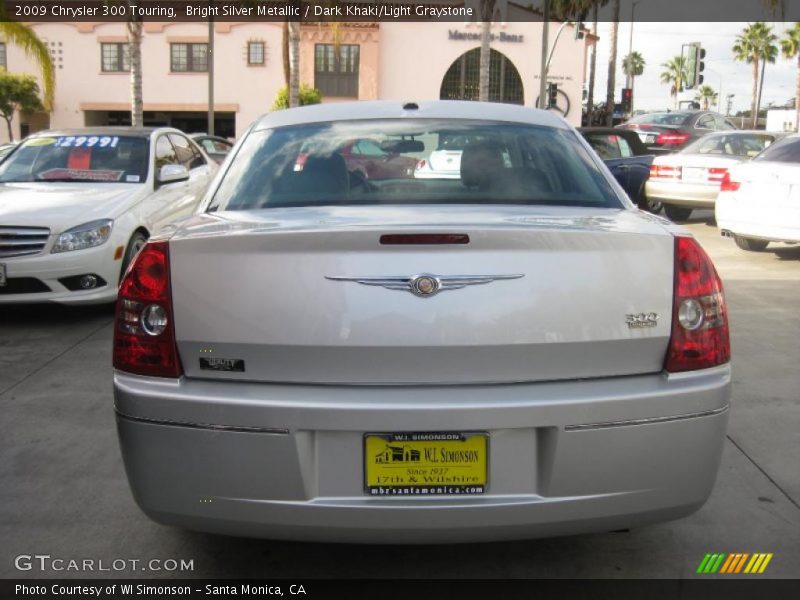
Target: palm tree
790 46
134 26
294 62
487 13
756 43
633 66
612 65
23 36
706 95
674 74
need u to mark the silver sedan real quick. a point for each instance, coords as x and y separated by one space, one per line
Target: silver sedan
691 178
518 352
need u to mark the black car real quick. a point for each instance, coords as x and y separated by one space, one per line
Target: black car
665 132
626 157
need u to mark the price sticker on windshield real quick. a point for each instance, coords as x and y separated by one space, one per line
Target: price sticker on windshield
87 141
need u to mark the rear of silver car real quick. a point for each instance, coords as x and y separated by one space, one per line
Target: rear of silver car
418 373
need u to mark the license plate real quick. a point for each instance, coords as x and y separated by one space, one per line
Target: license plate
425 464
3 278
693 174
647 139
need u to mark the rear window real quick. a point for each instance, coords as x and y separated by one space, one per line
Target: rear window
94 158
422 162
669 118
786 150
729 145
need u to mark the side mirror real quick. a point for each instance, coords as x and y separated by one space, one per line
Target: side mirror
172 173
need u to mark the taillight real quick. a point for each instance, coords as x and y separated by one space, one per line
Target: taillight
716 174
728 185
672 139
699 337
144 331
664 172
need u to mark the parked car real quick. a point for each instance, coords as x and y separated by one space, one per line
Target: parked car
214 146
759 201
627 158
364 158
691 178
519 352
444 162
666 132
374 159
77 205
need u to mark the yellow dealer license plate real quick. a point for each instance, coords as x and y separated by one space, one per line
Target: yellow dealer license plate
425 464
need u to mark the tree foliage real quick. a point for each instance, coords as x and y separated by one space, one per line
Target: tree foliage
790 46
308 95
756 43
18 92
706 95
23 36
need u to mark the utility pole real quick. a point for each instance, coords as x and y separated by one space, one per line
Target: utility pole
630 43
210 59
545 43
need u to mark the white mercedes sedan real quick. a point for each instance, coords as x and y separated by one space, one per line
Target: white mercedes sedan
515 353
77 205
759 202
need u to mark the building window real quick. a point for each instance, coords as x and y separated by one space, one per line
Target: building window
255 53
189 57
461 80
336 73
115 57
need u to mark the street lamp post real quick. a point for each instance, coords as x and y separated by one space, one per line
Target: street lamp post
719 91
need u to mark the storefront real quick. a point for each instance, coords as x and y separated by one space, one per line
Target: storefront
359 61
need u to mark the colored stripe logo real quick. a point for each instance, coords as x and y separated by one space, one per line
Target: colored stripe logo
734 563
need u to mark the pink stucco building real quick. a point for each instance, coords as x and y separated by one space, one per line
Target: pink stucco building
388 60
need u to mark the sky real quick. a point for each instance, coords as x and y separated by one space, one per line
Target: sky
658 42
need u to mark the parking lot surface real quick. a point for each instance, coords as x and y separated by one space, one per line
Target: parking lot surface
63 490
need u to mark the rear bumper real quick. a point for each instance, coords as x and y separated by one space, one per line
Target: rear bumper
689 195
758 220
287 461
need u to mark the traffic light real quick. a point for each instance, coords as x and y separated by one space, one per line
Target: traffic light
695 65
627 100
698 75
552 95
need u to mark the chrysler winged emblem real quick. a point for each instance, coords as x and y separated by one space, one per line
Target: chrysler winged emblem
425 285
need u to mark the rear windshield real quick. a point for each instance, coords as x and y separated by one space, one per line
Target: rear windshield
786 150
668 118
403 161
733 144
95 158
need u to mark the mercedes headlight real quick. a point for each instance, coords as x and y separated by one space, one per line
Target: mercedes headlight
84 236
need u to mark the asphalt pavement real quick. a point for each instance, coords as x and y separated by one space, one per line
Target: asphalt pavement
63 490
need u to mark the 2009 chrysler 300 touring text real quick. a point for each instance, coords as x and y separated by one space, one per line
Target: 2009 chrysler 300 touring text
321 354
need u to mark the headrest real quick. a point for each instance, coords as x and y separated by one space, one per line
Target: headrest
482 164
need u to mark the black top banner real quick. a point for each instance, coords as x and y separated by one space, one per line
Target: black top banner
360 11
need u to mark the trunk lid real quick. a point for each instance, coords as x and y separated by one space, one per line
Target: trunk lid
254 287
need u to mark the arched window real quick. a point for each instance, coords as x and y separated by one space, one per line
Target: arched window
461 80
